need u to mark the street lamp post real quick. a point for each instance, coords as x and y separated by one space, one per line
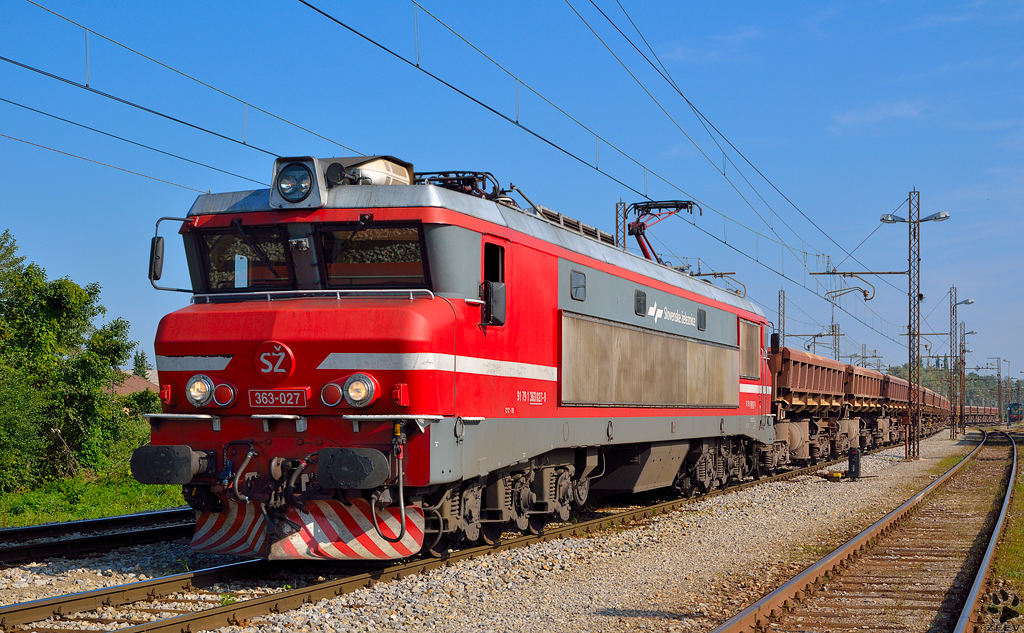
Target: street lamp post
999 385
963 373
954 357
913 450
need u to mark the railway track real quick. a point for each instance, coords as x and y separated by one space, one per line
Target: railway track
921 567
35 542
182 602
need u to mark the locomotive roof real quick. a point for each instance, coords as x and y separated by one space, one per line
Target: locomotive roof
529 221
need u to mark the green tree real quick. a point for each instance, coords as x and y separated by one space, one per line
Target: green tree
23 447
49 334
140 364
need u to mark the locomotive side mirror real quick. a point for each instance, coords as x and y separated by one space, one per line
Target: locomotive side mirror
775 342
156 254
156 258
494 303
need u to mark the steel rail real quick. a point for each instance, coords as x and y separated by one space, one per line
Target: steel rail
758 615
150 529
28 552
973 602
28 532
238 612
293 598
37 610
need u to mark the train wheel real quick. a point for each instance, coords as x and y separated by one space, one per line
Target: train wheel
536 524
441 547
490 533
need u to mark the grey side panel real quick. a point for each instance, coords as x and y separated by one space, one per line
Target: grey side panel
605 363
497 443
233 202
610 297
446 453
453 254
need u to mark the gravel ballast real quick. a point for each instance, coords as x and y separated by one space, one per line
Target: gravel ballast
685 571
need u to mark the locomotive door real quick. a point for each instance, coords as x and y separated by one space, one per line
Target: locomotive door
487 338
506 369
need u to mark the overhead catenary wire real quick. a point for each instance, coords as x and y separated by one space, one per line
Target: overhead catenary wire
128 171
121 138
668 77
554 145
601 139
680 128
198 81
709 207
135 105
660 106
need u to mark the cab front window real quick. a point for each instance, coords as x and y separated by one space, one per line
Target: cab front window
374 256
246 258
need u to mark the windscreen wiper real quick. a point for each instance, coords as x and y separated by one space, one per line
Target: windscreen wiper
255 247
364 219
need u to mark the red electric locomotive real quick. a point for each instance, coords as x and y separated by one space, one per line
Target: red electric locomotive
377 362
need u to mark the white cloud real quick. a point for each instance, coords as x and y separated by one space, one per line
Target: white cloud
726 47
902 109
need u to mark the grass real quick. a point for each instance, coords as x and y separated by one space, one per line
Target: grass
85 497
1009 562
108 491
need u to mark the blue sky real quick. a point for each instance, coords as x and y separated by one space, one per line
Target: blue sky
845 107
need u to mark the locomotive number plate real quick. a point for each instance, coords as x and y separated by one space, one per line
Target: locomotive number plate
277 397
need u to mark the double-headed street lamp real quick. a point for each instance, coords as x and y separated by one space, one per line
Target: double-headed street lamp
914 328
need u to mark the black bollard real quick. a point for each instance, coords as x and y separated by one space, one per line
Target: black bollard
853 466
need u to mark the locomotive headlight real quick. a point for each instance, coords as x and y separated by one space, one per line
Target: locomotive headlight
294 182
199 390
359 390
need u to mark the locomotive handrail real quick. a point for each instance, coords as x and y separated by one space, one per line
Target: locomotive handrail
180 416
337 294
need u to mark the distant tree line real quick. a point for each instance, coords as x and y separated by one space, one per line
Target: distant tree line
980 389
58 365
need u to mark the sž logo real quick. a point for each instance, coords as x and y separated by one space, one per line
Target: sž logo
274 361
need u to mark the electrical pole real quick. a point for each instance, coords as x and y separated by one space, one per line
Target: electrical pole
952 354
913 447
782 318
835 340
963 377
620 224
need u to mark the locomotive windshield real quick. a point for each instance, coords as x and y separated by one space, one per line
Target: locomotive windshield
374 256
247 258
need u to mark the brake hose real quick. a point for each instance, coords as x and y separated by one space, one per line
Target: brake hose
401 503
238 474
289 490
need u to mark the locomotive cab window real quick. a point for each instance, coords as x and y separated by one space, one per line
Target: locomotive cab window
246 258
578 286
494 262
374 256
